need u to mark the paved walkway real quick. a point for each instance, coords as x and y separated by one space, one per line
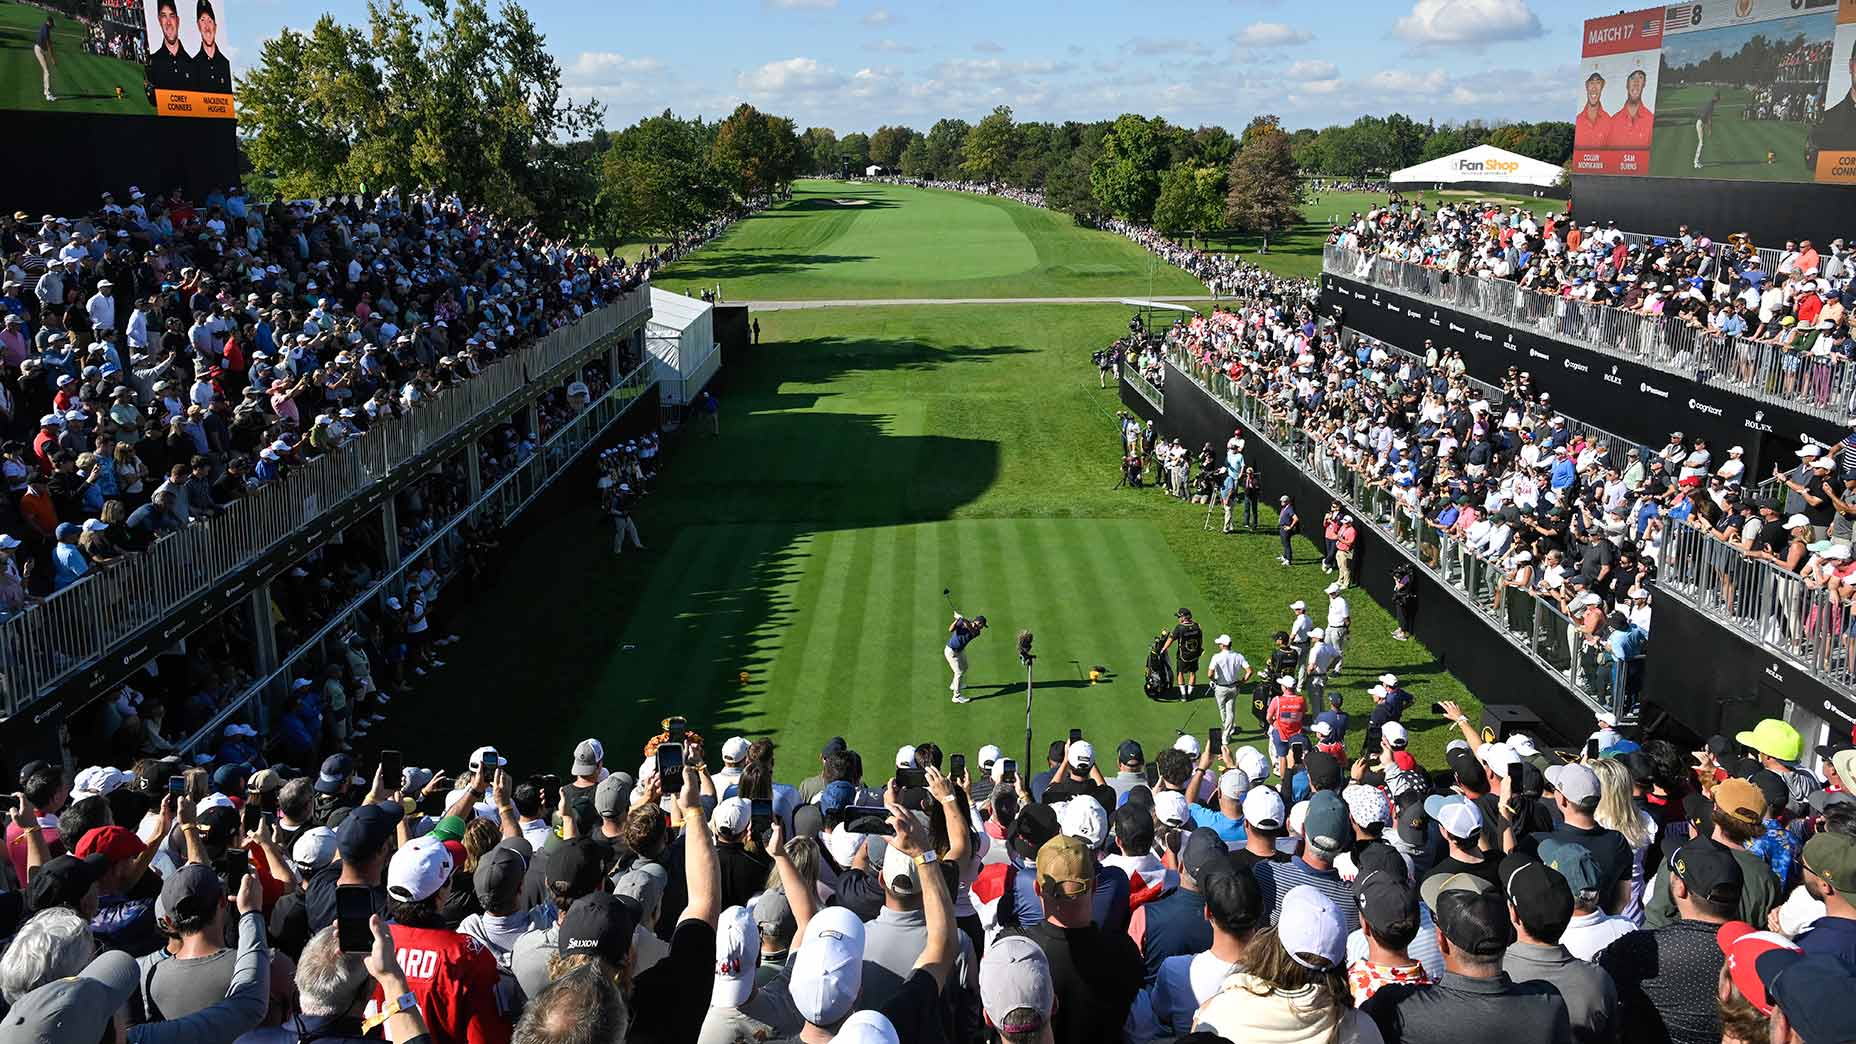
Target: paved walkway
781 306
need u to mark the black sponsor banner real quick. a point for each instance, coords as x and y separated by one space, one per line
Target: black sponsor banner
1714 680
1618 394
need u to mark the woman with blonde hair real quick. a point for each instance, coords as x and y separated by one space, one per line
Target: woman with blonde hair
1617 810
1292 986
130 472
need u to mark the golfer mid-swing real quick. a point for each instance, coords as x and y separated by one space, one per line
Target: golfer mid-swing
959 633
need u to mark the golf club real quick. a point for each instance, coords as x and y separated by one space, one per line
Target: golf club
947 594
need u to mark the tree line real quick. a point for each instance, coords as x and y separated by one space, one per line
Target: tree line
459 97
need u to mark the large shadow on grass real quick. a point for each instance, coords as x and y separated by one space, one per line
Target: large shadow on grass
723 264
581 643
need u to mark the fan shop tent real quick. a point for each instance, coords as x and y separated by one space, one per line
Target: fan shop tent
1483 168
680 338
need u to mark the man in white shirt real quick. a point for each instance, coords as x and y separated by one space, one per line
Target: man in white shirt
1339 617
102 306
1229 670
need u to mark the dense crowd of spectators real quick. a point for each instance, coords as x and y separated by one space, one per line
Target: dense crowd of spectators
1736 313
160 359
692 889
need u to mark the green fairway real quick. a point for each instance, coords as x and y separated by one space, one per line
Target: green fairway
1737 147
82 82
870 457
842 240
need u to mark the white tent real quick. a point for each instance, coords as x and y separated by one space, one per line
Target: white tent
1484 166
680 339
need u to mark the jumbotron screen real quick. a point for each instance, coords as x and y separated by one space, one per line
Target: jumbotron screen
1748 90
116 57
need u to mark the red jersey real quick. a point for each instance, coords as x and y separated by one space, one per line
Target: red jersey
454 979
1287 712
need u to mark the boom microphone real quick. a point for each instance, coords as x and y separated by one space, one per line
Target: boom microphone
1024 648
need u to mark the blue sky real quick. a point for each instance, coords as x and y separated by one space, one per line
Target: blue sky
855 64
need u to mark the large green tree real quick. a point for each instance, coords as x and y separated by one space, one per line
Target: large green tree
1126 176
449 94
1266 185
1192 199
914 161
756 153
987 152
888 143
855 147
944 141
821 147
659 178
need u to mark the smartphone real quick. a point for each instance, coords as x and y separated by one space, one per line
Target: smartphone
675 727
354 908
433 804
1296 751
1591 749
670 765
391 765
761 808
267 802
1214 739
177 784
1153 774
1008 772
1076 735
1437 708
867 819
956 765
250 817
238 864
911 777
9 803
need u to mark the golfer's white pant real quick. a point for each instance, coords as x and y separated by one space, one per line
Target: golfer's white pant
956 659
45 66
1701 138
622 527
1337 636
1226 698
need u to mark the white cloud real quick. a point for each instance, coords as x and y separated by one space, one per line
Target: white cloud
787 76
795 5
1311 69
1468 22
1271 34
598 67
880 16
1401 81
1161 47
988 47
1323 86
892 47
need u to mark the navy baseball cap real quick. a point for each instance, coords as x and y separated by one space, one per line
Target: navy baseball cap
366 831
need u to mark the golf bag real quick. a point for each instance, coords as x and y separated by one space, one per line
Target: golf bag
1159 678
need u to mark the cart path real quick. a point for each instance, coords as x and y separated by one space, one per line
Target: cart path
874 302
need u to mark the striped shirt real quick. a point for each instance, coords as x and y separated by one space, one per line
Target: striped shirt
1275 879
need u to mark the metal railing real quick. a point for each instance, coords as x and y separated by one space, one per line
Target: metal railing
61 634
508 497
1790 613
1806 376
1535 623
1154 396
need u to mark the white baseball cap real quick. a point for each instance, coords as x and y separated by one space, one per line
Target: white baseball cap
1263 808
1454 815
418 870
905 756
988 754
1254 764
1170 808
735 750
1082 754
899 872
737 957
1298 604
1523 744
1232 784
1311 924
1333 589
732 815
1188 744
1083 818
315 848
1223 639
1390 681
1498 758
867 1027
1394 734
486 757
1015 977
1317 633
826 972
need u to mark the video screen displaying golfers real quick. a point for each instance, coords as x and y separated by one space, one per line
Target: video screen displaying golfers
1738 90
116 57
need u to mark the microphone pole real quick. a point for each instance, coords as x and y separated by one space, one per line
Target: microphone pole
1025 657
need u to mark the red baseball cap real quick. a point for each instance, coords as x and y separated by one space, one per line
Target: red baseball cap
1742 945
114 843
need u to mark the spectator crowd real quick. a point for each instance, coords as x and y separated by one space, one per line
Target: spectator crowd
693 889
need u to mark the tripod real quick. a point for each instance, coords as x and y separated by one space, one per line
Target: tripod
1211 505
1025 657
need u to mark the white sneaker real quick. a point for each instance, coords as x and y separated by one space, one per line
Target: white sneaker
436 662
420 671
962 699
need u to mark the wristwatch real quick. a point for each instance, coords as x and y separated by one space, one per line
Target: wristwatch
405 1002
927 857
